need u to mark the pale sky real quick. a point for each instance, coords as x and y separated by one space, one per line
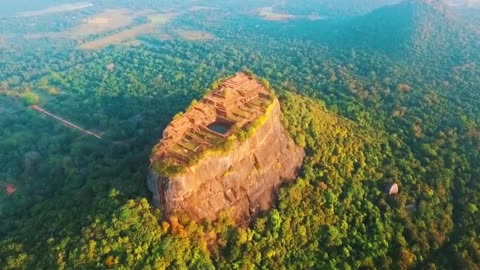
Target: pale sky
470 3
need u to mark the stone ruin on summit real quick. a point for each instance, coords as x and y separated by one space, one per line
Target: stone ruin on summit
237 102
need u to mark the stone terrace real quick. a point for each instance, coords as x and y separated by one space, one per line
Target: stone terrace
237 102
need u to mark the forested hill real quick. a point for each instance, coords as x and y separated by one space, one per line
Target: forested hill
419 29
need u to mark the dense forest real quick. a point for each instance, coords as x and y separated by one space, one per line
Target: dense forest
386 109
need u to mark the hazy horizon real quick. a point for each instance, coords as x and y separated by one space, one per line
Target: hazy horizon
12 8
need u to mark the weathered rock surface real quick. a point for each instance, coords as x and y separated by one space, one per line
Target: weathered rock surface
243 180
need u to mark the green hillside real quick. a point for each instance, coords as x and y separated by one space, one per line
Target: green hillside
417 29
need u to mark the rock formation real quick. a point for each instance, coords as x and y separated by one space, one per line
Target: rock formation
228 151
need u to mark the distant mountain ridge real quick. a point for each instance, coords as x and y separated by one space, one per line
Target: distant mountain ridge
419 28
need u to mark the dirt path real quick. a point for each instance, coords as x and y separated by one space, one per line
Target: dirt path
65 122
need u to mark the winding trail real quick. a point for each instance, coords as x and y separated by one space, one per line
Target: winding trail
65 122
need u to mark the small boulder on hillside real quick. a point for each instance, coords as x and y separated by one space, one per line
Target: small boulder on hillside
393 189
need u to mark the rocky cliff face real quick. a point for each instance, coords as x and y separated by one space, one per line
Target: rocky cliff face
244 180
227 152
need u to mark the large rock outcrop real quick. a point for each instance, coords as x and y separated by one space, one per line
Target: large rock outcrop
243 177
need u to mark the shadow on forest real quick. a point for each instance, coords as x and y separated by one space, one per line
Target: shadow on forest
72 170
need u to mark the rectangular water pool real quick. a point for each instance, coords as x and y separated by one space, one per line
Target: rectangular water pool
220 127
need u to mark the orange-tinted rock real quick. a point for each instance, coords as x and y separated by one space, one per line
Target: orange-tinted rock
243 179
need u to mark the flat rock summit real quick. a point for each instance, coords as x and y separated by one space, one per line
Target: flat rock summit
229 151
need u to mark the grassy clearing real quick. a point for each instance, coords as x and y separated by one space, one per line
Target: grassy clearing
129 35
108 20
161 18
119 38
269 15
194 35
116 26
202 8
